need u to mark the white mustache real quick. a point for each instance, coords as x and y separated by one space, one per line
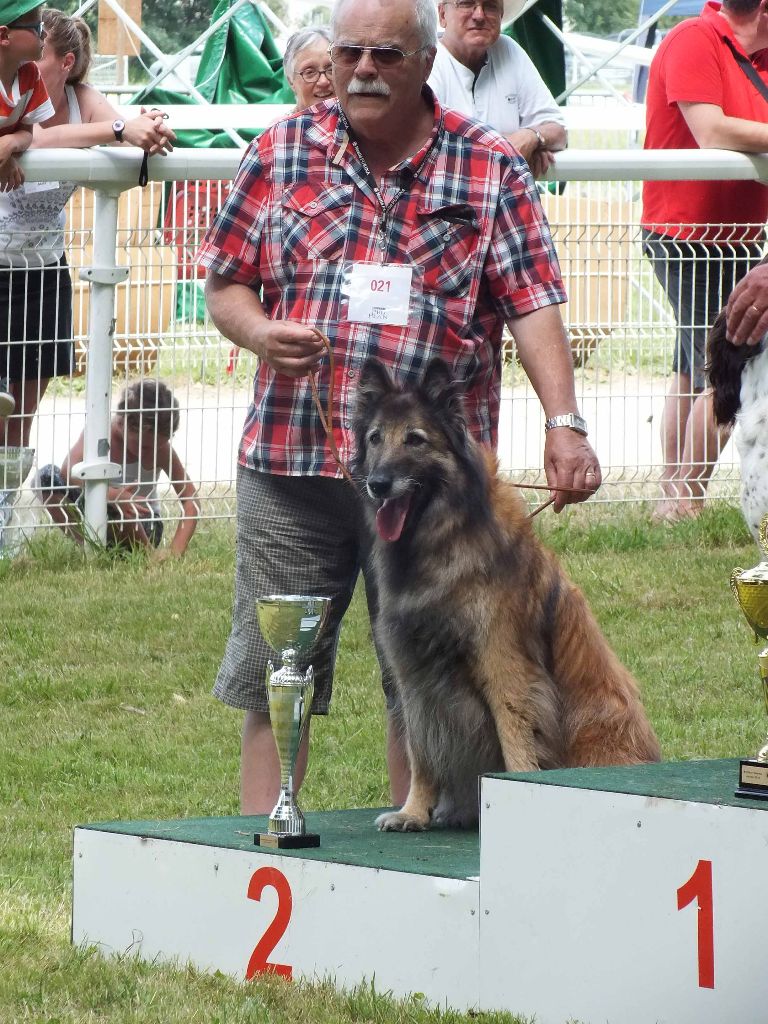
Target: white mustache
368 87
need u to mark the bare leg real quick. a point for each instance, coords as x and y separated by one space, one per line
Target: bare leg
674 423
397 762
28 394
260 767
704 441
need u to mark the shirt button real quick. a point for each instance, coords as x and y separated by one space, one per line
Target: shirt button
347 424
351 374
313 204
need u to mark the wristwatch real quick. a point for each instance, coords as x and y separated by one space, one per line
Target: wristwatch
118 127
568 419
539 136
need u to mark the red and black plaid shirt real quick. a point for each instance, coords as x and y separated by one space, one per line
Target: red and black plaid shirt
301 210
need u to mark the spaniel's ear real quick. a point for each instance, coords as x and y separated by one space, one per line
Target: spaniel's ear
725 363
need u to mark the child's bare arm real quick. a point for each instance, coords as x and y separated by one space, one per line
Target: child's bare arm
11 174
190 506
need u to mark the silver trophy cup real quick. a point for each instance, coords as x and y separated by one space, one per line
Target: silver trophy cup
290 624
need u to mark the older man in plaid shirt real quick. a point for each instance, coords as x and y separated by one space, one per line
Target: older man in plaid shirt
400 230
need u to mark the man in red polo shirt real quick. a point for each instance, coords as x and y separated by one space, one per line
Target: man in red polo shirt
702 236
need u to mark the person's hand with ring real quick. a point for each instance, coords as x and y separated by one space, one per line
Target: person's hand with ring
747 309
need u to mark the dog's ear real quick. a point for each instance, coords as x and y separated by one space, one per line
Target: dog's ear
443 393
725 363
374 384
439 388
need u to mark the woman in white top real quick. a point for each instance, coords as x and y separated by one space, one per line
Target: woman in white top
35 286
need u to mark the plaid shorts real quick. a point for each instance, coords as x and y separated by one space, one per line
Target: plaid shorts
295 535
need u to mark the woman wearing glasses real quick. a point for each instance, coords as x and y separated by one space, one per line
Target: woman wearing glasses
35 285
308 67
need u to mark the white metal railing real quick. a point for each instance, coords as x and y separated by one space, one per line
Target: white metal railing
139 311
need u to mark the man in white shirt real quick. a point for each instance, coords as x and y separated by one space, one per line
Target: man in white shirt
490 77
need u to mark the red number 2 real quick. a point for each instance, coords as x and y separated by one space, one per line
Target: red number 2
699 888
273 879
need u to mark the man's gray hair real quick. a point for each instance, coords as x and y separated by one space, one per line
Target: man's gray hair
426 20
297 42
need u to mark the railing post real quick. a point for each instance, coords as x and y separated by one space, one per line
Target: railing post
96 469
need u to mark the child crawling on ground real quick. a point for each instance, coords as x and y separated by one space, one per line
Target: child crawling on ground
141 431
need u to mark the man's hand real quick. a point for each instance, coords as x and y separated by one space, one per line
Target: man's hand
747 309
289 348
571 465
11 174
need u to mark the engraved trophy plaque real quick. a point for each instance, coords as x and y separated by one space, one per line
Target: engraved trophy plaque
750 587
290 624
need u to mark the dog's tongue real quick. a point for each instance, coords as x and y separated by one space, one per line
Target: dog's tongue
390 519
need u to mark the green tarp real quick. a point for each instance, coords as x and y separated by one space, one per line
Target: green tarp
540 44
241 64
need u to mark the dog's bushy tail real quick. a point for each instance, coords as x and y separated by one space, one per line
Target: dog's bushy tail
603 718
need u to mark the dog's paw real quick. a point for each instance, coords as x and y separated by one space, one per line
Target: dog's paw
455 817
396 821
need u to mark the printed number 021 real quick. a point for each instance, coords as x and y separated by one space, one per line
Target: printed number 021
699 888
270 878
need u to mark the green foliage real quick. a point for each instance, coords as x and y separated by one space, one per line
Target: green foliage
107 713
600 17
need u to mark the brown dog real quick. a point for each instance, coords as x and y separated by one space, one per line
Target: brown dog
499 662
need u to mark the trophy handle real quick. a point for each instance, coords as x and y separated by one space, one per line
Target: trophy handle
762 534
735 573
307 695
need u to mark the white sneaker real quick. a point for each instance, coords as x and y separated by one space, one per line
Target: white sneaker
7 401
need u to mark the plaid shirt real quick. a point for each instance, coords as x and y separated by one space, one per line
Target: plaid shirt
468 221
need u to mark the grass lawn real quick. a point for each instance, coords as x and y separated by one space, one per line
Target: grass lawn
106 713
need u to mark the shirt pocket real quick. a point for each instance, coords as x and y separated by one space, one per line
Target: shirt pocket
445 245
315 221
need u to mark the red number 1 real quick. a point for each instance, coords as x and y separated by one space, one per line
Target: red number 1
273 879
699 888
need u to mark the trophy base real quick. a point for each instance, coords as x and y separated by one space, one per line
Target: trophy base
276 841
753 779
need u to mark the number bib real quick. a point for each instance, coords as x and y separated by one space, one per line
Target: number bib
378 293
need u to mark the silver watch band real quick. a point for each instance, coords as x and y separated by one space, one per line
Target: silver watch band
567 419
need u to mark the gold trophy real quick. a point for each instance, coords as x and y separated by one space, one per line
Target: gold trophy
290 624
750 587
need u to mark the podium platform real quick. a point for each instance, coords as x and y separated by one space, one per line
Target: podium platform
402 908
626 896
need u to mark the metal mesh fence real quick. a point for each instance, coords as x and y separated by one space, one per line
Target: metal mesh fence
620 325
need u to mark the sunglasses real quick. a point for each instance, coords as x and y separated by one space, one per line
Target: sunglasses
33 26
382 56
311 75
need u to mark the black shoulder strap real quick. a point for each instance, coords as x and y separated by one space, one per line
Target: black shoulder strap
748 68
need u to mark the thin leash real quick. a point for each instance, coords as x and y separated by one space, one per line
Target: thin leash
326 420
326 417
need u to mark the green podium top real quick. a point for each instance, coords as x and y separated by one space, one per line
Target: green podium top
704 782
346 837
350 837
